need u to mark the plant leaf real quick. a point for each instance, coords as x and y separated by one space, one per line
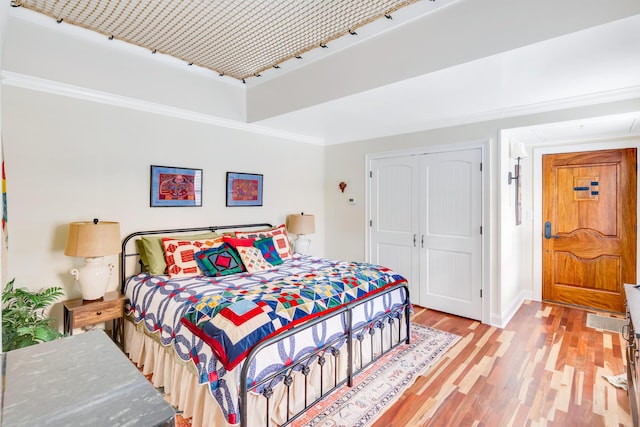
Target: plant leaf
23 321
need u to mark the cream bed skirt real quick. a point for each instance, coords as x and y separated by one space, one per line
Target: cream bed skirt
178 378
183 391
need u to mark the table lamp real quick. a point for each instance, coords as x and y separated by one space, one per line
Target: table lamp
301 225
93 240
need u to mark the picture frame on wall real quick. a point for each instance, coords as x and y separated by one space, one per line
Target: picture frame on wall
173 186
244 189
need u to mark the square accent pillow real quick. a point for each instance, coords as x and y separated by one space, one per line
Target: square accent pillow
153 256
279 236
252 259
220 261
180 255
268 250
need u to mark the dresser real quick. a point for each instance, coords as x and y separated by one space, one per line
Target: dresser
79 380
631 333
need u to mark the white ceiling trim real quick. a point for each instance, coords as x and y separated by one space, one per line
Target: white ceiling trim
9 78
616 95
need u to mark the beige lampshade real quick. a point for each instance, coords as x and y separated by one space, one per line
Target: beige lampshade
301 224
93 239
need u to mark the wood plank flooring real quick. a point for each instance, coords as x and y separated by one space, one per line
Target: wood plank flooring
544 369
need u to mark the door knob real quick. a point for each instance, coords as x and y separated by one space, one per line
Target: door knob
547 231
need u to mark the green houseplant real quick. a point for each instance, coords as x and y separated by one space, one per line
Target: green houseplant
23 320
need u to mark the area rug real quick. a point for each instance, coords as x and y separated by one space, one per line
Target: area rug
376 388
607 323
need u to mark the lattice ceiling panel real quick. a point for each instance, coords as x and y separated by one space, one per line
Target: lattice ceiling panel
238 38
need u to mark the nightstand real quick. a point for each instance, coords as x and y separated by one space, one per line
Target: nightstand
79 313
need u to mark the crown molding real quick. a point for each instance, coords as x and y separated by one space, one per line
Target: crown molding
9 78
628 93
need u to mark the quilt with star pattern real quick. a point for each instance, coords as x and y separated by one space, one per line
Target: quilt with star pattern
233 321
180 313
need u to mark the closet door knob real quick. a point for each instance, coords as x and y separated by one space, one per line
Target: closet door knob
414 240
422 241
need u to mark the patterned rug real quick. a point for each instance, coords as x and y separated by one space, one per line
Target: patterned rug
381 384
376 388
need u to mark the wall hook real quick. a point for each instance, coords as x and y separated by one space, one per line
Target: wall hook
342 186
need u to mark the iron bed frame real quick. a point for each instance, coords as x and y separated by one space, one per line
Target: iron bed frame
351 338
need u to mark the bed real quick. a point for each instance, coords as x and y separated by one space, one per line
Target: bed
259 346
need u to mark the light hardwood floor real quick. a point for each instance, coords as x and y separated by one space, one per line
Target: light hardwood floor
544 369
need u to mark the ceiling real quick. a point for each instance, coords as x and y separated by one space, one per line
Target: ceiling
594 64
237 38
599 64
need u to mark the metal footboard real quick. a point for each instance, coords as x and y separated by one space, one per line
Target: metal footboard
352 337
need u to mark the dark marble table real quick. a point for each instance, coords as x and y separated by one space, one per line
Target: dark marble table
80 380
633 306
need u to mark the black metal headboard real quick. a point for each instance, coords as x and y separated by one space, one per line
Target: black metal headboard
124 254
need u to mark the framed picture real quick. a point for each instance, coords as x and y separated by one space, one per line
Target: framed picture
244 189
175 186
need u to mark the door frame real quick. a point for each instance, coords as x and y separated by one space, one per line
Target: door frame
485 147
538 152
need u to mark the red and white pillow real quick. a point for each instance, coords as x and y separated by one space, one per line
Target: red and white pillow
279 236
180 255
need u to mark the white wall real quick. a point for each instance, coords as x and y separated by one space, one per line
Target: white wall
68 160
508 284
515 245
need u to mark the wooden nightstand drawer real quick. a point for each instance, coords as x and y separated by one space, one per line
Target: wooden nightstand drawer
96 313
79 313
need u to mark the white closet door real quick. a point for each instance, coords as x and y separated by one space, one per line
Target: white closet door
395 184
450 232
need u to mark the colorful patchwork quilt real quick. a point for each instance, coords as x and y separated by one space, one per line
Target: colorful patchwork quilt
235 320
208 320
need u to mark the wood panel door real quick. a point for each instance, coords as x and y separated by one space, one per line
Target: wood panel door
589 227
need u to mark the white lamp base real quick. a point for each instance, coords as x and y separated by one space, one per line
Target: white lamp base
302 244
93 278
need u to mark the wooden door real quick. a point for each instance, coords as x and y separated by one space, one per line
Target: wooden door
589 227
